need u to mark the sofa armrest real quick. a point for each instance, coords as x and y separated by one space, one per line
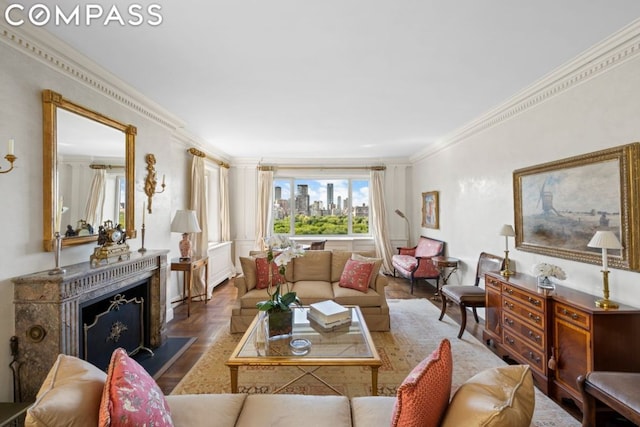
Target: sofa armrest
193 410
240 283
381 282
407 251
372 411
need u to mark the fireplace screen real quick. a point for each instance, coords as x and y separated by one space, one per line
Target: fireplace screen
121 325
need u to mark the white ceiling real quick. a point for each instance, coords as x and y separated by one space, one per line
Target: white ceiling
340 78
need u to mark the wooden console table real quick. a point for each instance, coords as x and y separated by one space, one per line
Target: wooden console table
561 334
189 267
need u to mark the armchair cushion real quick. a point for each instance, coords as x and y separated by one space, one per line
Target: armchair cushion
416 262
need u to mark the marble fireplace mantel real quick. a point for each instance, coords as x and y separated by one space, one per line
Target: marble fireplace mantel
47 309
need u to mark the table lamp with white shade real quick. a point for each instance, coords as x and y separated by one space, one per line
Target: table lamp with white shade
507 231
185 222
605 240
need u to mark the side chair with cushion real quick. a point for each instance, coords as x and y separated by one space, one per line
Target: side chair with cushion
620 391
415 263
467 295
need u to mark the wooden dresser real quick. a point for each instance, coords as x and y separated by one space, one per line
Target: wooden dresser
561 334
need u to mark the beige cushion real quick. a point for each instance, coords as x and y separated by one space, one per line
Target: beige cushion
314 265
370 411
69 396
295 410
248 265
497 397
193 410
377 263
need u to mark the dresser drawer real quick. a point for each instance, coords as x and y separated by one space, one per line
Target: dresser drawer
525 353
573 315
491 283
533 301
534 336
524 311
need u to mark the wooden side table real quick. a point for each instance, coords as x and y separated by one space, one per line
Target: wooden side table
443 264
189 267
10 411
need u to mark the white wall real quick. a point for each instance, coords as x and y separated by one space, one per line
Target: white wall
474 176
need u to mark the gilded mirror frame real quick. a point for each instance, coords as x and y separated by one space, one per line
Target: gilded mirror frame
51 101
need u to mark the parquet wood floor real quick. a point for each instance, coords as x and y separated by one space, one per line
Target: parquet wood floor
206 320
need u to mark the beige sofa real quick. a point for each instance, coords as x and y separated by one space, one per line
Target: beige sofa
72 393
314 277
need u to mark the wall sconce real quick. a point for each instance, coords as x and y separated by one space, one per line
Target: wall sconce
10 157
151 181
507 231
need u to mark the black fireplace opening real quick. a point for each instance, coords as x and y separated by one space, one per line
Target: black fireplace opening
119 319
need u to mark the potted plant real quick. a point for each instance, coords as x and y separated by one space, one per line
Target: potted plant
280 251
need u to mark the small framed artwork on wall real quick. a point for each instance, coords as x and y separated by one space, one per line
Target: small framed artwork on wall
430 210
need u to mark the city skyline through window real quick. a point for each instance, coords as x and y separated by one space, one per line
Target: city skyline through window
321 206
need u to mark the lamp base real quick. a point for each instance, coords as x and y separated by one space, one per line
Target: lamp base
506 272
606 304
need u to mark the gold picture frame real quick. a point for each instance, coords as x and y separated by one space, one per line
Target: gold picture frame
560 205
430 210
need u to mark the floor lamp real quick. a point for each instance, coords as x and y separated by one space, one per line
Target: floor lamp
403 216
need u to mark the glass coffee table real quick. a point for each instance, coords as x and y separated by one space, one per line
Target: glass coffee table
347 345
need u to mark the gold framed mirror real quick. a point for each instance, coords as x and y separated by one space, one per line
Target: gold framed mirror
91 144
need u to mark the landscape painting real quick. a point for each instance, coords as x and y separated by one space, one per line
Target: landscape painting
560 205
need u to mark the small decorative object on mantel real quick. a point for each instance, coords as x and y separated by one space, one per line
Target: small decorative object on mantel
544 271
112 244
278 306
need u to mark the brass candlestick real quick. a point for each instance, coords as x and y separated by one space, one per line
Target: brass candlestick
142 249
605 302
506 272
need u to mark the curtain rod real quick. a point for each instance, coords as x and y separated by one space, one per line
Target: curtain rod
273 168
98 166
199 153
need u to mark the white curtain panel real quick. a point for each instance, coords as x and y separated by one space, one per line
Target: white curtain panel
265 186
200 241
225 221
379 220
95 203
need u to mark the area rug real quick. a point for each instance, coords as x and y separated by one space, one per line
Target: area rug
415 333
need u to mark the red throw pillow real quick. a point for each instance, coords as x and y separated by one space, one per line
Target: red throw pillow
262 273
356 275
131 397
423 396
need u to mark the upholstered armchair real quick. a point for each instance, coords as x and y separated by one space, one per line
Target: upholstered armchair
415 263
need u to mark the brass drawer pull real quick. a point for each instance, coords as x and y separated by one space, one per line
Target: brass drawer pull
534 336
566 312
509 340
508 321
534 317
534 301
533 357
509 291
509 305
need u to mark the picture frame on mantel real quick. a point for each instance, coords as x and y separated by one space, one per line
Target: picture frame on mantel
430 210
560 205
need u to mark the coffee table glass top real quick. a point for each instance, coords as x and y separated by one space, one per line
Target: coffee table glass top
351 341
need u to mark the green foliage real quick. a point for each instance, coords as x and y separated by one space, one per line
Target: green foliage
322 225
278 302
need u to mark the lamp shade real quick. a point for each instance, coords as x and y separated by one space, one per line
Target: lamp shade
185 221
604 240
507 230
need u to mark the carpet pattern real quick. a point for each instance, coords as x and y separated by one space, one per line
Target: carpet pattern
415 333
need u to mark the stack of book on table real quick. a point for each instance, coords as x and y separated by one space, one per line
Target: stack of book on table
329 314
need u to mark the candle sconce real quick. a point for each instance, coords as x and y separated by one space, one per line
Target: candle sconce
151 182
9 157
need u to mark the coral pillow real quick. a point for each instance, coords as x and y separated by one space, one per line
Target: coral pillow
131 397
262 273
356 275
423 396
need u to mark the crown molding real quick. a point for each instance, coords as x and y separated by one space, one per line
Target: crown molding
40 45
613 51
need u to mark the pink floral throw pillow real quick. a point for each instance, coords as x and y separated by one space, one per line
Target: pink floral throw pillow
131 397
262 273
423 396
356 275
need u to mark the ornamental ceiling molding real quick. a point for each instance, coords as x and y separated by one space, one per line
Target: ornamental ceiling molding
48 50
601 58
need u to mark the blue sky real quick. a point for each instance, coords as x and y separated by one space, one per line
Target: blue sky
318 189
